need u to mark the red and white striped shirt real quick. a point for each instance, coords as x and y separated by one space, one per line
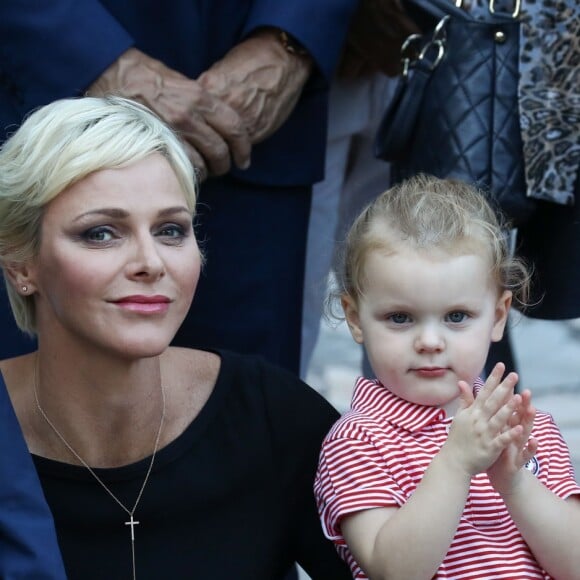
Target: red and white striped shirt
375 456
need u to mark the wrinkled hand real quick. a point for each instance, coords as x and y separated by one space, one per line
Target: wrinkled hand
482 428
213 133
260 80
506 472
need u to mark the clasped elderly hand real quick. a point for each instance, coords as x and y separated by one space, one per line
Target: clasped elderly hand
239 101
491 431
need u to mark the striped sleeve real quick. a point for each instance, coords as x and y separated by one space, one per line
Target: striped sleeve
555 465
352 477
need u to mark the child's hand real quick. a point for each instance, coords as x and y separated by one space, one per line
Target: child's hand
507 470
483 427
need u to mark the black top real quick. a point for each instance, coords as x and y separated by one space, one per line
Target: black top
231 498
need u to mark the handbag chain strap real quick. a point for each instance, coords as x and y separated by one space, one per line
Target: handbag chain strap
416 50
429 52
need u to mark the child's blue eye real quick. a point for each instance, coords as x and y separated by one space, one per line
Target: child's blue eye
456 317
399 318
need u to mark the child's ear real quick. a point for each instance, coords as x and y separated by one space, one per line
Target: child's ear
350 308
502 309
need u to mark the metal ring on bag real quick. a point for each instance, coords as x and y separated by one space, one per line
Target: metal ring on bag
515 12
407 61
440 32
440 52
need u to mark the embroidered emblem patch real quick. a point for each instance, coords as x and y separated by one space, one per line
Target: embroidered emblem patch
533 465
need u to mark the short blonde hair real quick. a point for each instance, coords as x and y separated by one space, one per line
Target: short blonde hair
60 144
427 212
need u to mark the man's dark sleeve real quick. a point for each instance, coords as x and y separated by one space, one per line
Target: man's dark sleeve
28 543
52 50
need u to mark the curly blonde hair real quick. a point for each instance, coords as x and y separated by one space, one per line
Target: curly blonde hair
427 212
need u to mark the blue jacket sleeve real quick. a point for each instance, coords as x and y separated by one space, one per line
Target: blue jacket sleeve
28 544
51 50
320 25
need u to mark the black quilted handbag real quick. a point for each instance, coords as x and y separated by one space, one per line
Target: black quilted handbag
455 112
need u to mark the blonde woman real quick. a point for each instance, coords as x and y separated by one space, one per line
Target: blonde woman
155 461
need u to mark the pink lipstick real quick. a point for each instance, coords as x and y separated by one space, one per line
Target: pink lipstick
144 304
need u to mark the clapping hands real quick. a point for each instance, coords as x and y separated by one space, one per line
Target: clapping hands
491 431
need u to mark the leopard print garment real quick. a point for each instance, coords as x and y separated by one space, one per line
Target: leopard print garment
549 95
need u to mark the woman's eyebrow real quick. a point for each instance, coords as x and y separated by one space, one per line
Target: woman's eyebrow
174 210
114 212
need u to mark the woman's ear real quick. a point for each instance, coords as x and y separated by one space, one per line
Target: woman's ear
19 274
351 315
502 309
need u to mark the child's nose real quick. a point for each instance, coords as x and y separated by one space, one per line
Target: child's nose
429 339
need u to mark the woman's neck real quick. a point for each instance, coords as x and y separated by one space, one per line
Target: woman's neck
106 410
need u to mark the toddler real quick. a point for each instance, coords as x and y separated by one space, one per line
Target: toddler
432 473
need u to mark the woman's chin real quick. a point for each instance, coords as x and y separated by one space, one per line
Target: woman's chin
143 348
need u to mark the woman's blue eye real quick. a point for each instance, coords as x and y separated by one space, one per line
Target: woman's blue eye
173 234
98 234
456 317
172 231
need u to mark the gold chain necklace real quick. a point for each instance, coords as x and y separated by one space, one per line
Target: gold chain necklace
131 512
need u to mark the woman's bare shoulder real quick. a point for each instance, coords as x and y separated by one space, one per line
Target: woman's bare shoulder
191 376
16 369
200 365
18 376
